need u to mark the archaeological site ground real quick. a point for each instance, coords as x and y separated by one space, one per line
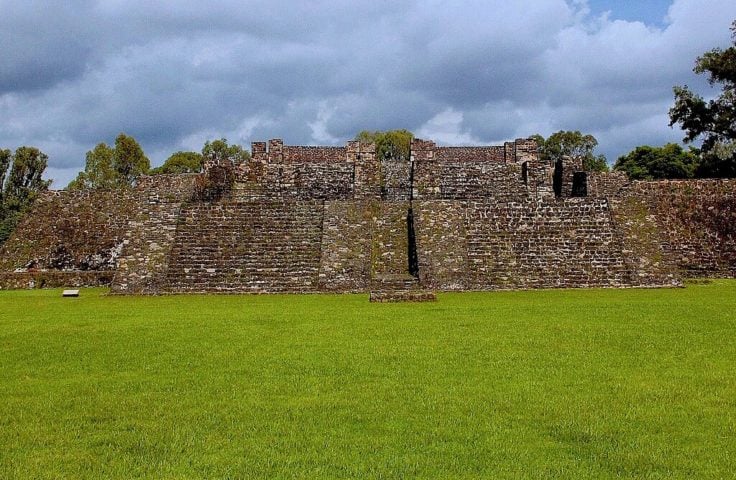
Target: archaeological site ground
578 383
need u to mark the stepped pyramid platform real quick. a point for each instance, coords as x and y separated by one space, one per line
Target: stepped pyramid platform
342 220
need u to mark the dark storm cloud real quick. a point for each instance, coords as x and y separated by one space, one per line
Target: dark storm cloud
174 74
40 50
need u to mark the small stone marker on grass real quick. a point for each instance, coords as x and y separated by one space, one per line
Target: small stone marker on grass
396 296
70 293
391 288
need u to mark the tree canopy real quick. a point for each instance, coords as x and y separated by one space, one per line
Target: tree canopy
20 183
390 145
218 151
714 120
567 143
181 162
128 159
5 158
98 171
649 163
24 182
112 167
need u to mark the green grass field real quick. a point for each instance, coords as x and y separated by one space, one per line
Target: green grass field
544 384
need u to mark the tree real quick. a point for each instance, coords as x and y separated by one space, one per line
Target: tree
5 157
572 144
5 229
20 183
112 167
218 151
181 162
390 145
715 120
650 163
24 181
98 171
128 159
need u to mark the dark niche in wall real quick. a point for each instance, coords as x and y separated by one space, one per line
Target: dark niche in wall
412 245
580 184
557 178
525 173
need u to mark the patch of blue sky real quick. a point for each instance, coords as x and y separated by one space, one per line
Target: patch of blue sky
650 12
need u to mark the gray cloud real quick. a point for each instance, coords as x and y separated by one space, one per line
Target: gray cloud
174 74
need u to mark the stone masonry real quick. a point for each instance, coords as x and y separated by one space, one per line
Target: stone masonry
339 219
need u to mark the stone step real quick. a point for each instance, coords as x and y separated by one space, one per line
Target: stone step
394 282
397 296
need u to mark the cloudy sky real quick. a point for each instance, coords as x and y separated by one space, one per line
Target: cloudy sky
176 73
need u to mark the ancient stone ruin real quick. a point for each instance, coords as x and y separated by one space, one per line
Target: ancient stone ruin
339 219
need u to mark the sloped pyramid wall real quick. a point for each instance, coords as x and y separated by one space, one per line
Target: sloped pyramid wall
71 230
481 245
257 246
696 222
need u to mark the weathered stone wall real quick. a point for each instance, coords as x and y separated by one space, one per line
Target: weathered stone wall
520 150
492 154
563 175
395 179
606 184
306 181
335 173
451 181
696 222
298 172
171 188
365 244
507 173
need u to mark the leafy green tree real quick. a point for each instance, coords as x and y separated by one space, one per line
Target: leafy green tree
391 144
5 227
112 167
128 159
5 156
715 120
218 151
98 171
567 143
24 181
181 162
20 183
651 163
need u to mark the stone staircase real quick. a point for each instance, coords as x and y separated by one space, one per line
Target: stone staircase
390 278
252 246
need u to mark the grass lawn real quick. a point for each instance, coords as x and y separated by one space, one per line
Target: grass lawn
543 384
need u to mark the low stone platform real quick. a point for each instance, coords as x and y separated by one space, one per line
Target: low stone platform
54 279
396 296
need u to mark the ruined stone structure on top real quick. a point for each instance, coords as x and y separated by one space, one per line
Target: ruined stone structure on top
339 219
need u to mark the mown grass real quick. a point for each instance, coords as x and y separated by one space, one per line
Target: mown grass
545 384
